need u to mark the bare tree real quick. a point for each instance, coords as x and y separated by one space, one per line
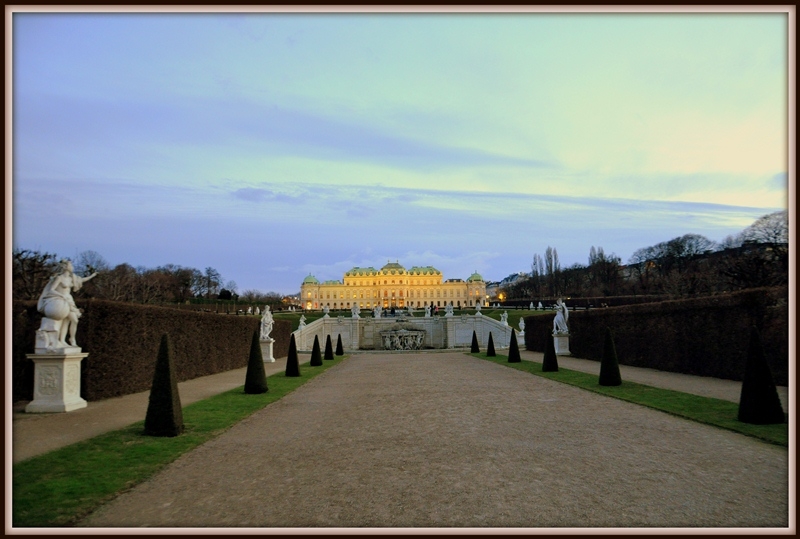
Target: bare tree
30 272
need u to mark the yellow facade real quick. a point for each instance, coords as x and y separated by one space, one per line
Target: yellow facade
392 286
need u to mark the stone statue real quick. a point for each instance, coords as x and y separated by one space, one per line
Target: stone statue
266 324
521 326
249 310
504 318
325 310
302 320
356 310
59 309
410 310
376 312
448 309
539 307
427 311
478 307
258 311
562 316
531 306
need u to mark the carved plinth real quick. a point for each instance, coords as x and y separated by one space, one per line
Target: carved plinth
266 350
561 343
56 383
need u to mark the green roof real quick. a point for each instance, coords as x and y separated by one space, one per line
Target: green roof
424 270
475 277
310 280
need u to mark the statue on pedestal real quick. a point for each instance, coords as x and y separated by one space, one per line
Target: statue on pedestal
59 309
560 321
521 326
427 311
302 321
504 318
325 311
448 309
266 324
356 311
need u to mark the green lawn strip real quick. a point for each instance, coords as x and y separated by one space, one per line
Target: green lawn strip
60 487
716 412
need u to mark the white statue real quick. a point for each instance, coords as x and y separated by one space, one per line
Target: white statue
376 312
325 311
531 306
504 318
521 326
561 319
448 309
59 309
266 323
539 307
302 320
427 311
258 311
355 310
410 310
249 310
478 307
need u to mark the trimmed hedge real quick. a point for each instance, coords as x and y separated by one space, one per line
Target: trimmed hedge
122 341
702 336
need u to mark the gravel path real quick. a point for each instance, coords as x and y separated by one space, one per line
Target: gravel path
447 440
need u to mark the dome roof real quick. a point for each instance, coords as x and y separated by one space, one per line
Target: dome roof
310 280
424 270
393 268
475 277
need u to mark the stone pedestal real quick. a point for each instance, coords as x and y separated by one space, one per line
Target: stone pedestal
56 382
561 343
266 351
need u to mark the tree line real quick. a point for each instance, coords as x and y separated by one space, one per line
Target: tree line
688 265
169 283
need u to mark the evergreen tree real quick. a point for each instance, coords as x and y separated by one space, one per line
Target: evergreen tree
475 348
759 402
316 355
550 362
490 347
513 349
164 413
609 365
255 381
339 347
292 363
328 348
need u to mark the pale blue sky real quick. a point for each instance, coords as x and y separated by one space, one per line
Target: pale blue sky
269 146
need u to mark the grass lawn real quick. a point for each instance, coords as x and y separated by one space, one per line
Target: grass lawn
716 412
60 487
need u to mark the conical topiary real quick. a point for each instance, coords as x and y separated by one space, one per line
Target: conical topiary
475 348
164 413
609 366
513 349
339 347
550 361
328 348
490 347
759 402
316 355
292 363
255 381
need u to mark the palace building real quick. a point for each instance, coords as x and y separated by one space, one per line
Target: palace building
392 286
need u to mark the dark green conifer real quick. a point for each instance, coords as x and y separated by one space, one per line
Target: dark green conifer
513 349
328 348
490 347
475 348
255 381
316 355
292 363
164 413
550 361
609 365
759 402
339 347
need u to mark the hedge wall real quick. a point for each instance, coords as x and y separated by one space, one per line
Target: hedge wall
703 336
122 341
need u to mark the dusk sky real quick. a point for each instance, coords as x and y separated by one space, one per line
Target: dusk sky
271 146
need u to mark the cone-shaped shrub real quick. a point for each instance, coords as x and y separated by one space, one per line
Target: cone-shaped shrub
490 347
328 348
316 355
255 381
513 349
550 362
339 347
759 402
164 414
292 363
609 365
475 348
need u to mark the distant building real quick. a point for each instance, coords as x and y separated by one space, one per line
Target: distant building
392 286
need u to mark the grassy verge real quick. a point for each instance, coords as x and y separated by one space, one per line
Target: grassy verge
716 412
60 487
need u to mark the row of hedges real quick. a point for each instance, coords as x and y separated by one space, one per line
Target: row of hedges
703 336
593 302
122 341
